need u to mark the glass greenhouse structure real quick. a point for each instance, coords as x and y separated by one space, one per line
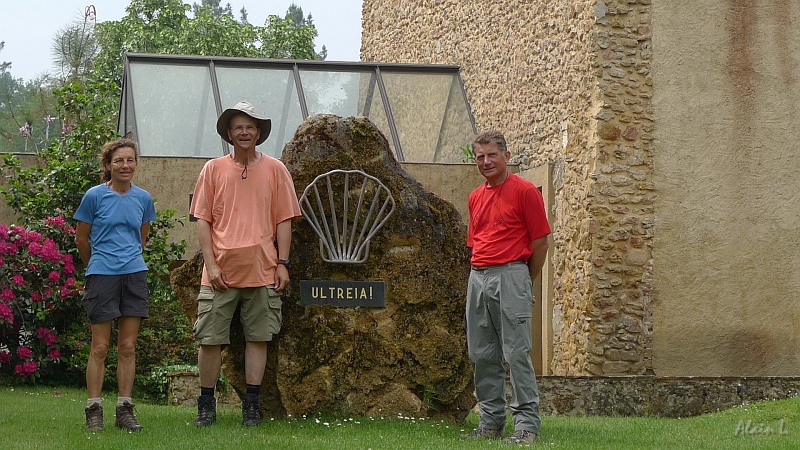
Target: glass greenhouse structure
170 103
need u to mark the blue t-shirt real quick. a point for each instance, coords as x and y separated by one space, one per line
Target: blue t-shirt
116 234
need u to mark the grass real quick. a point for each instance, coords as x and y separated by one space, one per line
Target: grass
46 418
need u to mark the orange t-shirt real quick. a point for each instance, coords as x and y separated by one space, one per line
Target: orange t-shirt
503 220
244 215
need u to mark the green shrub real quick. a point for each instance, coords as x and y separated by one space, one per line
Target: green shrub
54 186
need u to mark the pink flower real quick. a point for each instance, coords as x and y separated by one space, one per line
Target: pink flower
30 367
6 315
26 368
55 276
70 282
79 344
47 336
57 221
34 248
50 251
69 268
36 297
17 280
24 352
34 236
54 354
5 356
64 293
7 295
25 130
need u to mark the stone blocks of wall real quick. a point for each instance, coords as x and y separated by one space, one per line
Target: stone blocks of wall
658 396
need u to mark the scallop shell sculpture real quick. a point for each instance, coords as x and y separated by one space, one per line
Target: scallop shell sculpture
346 208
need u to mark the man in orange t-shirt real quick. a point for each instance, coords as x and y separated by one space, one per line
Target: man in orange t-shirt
244 204
508 233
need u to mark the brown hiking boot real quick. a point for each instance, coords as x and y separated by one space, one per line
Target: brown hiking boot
483 433
125 418
523 437
94 417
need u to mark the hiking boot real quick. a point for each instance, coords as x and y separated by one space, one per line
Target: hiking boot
125 418
483 433
523 437
94 417
206 410
251 411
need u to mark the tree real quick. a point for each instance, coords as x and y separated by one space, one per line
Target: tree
216 10
5 65
75 46
27 119
163 26
295 13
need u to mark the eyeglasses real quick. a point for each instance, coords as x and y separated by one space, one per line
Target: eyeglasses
241 128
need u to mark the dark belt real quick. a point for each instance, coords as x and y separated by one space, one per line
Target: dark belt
481 268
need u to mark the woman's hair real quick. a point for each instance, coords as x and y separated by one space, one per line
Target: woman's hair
108 153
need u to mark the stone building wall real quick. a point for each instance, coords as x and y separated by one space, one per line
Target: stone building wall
568 83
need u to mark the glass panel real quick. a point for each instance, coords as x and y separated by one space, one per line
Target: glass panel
272 92
174 109
345 94
430 114
457 128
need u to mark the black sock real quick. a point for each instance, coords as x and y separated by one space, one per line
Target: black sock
253 389
207 391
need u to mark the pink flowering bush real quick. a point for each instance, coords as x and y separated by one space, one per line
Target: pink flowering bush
39 296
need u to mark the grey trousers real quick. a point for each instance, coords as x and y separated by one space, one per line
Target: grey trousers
498 317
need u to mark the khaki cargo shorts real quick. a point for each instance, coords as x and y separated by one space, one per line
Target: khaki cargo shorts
260 314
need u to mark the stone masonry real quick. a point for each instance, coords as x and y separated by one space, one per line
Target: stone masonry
569 84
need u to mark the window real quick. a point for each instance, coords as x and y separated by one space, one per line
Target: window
171 103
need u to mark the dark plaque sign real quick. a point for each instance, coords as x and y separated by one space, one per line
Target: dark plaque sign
370 294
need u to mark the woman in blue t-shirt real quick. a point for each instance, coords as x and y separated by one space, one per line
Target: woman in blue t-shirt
113 220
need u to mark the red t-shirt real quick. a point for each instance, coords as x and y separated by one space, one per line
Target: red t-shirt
503 220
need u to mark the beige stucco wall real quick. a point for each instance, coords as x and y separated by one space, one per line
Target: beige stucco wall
727 248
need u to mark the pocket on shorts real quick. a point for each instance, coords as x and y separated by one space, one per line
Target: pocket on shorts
89 300
89 294
274 301
204 300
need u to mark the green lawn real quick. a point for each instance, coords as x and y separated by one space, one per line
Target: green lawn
42 417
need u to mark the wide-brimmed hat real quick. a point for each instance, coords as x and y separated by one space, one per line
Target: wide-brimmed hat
264 122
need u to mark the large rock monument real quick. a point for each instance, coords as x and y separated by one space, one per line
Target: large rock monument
406 356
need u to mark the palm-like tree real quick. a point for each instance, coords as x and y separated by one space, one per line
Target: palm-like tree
75 46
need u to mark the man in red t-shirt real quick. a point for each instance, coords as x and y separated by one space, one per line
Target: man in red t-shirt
508 233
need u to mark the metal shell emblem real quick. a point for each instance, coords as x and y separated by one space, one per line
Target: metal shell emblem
346 208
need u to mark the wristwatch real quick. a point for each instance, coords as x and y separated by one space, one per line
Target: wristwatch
286 263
